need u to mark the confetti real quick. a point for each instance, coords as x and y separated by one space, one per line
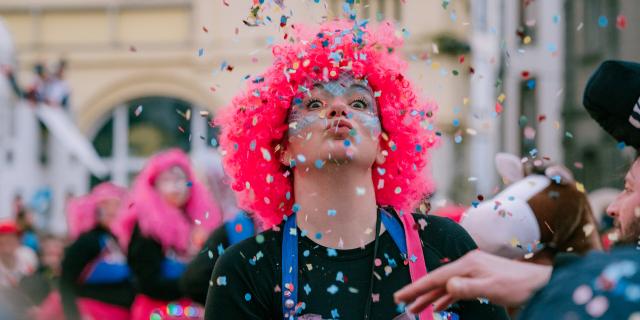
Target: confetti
332 289
603 21
247 297
360 191
200 52
221 281
138 110
621 22
331 212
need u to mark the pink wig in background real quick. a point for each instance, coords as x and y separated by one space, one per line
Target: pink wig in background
156 218
255 123
82 215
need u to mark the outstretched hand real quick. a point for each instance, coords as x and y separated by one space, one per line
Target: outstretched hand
475 275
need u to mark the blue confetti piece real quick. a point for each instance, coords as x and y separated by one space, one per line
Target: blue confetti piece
413 258
200 52
552 47
334 314
220 249
269 41
475 203
456 122
381 171
603 21
252 145
531 84
301 158
340 276
418 148
555 19
307 288
347 143
332 252
296 207
332 289
316 1
214 142
221 281
305 253
319 163
556 179
621 145
533 152
319 235
331 212
288 195
247 297
457 139
189 184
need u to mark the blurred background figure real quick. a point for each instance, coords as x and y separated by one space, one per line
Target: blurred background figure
16 260
95 281
238 225
164 225
539 214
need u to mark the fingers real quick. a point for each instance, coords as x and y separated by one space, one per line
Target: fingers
443 302
435 279
461 288
424 301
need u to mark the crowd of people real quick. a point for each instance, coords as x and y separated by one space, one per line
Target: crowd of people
317 213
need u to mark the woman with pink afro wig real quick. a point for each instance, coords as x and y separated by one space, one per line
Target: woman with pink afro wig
166 220
94 282
329 147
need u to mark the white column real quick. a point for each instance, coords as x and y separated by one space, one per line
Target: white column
120 153
198 130
486 59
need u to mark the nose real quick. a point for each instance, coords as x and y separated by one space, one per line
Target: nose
612 209
337 109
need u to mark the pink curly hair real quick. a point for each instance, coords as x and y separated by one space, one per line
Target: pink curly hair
255 124
82 215
155 217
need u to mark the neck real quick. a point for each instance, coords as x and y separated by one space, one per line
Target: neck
341 189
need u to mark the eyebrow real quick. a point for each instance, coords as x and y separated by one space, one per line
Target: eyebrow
354 85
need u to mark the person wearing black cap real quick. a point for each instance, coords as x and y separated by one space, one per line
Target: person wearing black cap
599 285
612 97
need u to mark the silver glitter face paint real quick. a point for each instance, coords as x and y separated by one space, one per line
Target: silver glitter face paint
301 116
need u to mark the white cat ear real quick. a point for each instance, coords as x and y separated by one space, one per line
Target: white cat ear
559 174
509 167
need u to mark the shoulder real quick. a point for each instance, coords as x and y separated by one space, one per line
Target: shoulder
251 251
444 235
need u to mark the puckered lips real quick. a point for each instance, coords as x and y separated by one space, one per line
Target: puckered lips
339 128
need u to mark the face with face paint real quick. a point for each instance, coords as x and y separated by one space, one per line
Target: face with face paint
171 184
334 122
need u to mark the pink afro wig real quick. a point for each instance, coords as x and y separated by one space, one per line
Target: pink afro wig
156 218
82 215
255 124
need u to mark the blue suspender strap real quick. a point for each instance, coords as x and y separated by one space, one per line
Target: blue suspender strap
289 268
395 230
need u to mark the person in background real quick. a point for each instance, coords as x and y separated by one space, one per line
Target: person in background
16 261
95 280
164 225
238 225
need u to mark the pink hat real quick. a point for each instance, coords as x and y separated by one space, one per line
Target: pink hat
81 211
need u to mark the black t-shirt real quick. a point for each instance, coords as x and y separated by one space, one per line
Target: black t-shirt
333 283
194 282
76 258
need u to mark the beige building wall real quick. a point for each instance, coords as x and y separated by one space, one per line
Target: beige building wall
120 50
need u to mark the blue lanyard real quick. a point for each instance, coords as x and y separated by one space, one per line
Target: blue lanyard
290 257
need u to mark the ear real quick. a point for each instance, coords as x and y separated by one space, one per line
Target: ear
381 156
285 157
555 171
509 167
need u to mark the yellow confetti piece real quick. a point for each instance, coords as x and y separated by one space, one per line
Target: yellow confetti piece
580 187
501 97
435 66
514 242
465 101
526 40
296 65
